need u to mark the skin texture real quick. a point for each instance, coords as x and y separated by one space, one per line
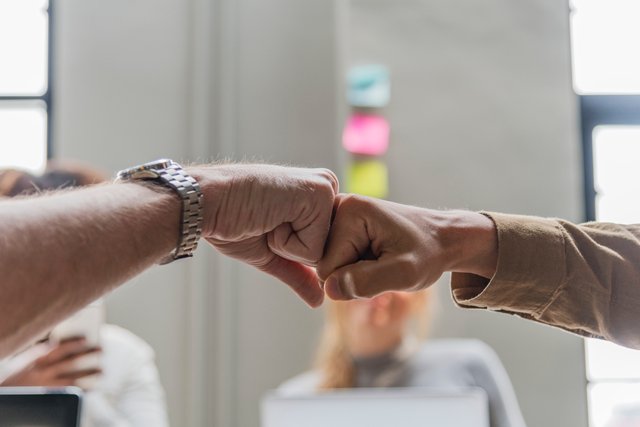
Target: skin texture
66 249
376 246
275 219
56 367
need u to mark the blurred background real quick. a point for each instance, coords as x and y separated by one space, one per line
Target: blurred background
521 106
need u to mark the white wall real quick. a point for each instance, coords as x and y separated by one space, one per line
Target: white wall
123 97
283 75
195 80
191 79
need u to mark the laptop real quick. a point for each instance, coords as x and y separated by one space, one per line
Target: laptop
406 407
39 407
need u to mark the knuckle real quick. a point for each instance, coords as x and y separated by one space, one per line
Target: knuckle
328 174
324 184
355 201
333 178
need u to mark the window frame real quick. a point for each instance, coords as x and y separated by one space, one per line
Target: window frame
599 110
48 96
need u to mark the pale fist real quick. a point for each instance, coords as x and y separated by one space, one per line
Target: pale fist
272 217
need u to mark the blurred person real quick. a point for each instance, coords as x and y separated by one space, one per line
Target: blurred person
57 175
378 343
123 387
117 372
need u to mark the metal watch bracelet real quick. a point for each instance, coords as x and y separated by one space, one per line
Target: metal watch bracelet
170 174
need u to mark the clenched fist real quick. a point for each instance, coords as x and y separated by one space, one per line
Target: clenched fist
272 217
376 246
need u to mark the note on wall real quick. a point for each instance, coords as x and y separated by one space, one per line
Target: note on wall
366 134
368 86
369 178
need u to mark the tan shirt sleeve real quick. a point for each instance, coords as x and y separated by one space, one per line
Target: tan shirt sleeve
582 278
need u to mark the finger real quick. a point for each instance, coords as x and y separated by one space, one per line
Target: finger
286 242
70 359
365 279
303 238
63 350
72 367
72 376
89 350
68 364
300 278
348 241
330 176
255 251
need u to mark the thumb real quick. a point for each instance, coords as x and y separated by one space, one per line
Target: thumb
368 278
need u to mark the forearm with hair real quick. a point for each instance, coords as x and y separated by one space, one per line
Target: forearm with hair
470 242
62 251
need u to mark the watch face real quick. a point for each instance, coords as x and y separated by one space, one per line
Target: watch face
145 171
156 164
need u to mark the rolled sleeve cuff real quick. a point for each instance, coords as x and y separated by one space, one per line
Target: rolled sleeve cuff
529 272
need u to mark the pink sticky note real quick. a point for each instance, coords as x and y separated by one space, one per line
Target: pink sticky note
366 134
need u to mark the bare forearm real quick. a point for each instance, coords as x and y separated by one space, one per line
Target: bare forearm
62 251
471 243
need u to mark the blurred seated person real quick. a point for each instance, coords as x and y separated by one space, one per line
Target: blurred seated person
115 367
58 175
374 343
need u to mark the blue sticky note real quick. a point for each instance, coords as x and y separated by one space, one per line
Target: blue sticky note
368 86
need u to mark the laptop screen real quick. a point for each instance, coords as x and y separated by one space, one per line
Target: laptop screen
37 407
409 407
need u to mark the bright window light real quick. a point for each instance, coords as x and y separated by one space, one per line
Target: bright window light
616 150
604 41
608 361
23 130
614 371
23 47
614 405
605 36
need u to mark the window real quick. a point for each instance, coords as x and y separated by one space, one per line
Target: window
25 93
606 76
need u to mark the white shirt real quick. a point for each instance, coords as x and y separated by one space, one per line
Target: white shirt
127 394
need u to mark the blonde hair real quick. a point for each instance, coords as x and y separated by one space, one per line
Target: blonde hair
334 362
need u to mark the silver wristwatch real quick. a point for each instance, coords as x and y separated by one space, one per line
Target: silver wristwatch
170 174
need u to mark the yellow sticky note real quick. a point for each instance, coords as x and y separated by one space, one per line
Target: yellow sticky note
369 178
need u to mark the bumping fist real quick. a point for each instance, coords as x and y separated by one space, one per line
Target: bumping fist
272 217
376 246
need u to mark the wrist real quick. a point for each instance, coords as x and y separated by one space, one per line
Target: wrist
470 243
215 182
